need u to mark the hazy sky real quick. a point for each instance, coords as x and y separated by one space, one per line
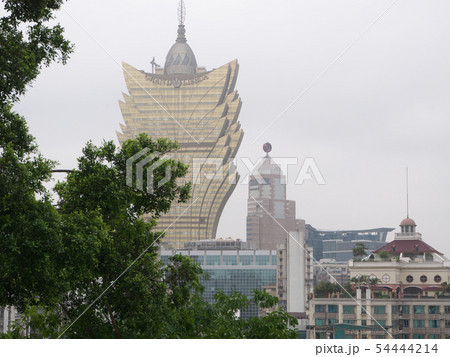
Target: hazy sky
382 106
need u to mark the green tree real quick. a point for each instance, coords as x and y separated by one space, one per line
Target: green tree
28 43
99 185
225 324
384 255
359 251
326 287
30 230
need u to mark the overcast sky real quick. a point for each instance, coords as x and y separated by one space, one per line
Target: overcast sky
382 106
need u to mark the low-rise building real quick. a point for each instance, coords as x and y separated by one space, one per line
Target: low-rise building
407 266
399 293
332 271
232 267
399 318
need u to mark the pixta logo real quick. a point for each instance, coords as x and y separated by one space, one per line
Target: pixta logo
149 174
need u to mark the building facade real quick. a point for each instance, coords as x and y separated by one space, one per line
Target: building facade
231 269
199 110
388 318
399 293
294 273
269 214
8 315
338 245
407 266
342 251
332 271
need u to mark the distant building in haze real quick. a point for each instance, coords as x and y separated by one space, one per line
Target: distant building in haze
339 244
269 214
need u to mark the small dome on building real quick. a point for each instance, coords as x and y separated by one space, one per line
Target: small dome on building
181 58
408 222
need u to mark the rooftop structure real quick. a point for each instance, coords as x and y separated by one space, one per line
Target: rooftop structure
407 266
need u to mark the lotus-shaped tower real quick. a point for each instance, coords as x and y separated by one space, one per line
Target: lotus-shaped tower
199 109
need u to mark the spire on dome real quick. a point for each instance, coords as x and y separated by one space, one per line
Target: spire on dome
181 13
181 58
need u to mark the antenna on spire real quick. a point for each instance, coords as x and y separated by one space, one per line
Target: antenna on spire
181 12
407 193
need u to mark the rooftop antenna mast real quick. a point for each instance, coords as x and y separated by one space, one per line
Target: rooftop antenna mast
407 193
181 12
154 65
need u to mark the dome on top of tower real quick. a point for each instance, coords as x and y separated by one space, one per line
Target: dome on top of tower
408 222
181 58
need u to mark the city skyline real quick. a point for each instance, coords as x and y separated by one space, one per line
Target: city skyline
382 107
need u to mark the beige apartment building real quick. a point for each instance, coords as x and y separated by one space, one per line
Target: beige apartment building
399 294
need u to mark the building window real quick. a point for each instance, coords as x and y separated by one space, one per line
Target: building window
404 323
423 278
349 309
447 309
433 309
229 260
246 260
213 260
379 310
419 323
409 279
434 323
380 322
351 322
332 309
419 335
262 260
404 309
447 324
437 278
320 322
320 308
363 322
394 309
419 309
434 336
332 321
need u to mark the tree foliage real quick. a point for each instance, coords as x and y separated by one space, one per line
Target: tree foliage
30 230
326 287
28 43
359 251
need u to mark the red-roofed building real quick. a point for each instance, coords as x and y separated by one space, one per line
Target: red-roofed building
407 266
403 304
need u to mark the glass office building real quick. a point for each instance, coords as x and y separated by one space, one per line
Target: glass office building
241 270
338 245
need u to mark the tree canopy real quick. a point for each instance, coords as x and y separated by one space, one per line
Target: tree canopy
359 251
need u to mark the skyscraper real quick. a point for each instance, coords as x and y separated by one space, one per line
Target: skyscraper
270 216
199 109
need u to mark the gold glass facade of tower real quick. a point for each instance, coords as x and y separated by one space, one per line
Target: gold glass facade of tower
199 109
